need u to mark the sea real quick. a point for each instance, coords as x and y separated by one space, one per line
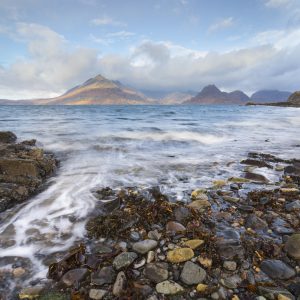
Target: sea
174 148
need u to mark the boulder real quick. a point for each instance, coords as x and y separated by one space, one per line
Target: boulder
7 137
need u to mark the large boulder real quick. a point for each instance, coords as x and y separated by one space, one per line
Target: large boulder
7 137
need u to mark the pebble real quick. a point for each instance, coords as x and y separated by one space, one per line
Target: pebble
199 194
192 274
169 288
156 272
74 276
134 236
139 264
103 276
97 294
119 284
205 262
199 204
201 288
175 227
31 292
276 269
144 246
229 265
18 272
154 235
124 260
292 246
292 206
150 257
193 244
180 255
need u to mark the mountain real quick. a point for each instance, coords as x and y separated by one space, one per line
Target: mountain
98 90
265 96
294 99
211 95
175 98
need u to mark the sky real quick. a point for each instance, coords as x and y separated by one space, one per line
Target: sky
47 47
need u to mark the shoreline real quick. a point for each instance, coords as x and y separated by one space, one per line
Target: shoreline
235 240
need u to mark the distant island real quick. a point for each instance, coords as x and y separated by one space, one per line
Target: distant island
102 91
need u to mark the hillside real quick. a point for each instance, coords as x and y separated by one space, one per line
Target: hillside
211 95
98 91
265 96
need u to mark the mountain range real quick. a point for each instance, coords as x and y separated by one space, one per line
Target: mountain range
102 91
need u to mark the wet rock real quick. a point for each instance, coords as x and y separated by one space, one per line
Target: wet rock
294 169
256 177
289 191
205 262
150 257
18 272
139 263
231 199
199 195
104 276
156 272
7 137
201 288
175 227
124 260
97 294
276 269
199 204
145 246
228 283
182 213
238 180
192 274
256 163
219 183
273 292
256 223
292 206
74 276
119 284
154 235
194 244
31 292
169 288
292 246
180 255
135 236
229 265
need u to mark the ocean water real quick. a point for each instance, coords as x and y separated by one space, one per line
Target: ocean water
177 148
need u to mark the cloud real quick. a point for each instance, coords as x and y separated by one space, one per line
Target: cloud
278 3
112 37
107 21
271 60
222 24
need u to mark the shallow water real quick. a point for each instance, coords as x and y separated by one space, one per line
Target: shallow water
175 147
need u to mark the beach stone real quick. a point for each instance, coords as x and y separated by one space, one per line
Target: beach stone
273 292
205 262
192 273
103 276
256 223
18 272
201 287
181 213
169 288
231 199
97 294
124 260
134 236
193 244
292 206
292 246
228 283
74 276
156 272
229 265
276 269
219 183
199 204
175 227
256 177
180 255
154 235
7 137
31 292
199 194
144 246
238 180
282 297
256 163
293 191
119 284
150 257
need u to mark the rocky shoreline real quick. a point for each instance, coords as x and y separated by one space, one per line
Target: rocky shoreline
239 239
24 168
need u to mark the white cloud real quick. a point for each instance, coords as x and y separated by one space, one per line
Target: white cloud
53 66
278 3
121 34
107 21
222 24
